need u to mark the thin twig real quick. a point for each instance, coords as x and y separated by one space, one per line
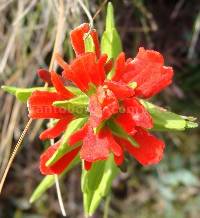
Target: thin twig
25 12
87 12
100 8
17 146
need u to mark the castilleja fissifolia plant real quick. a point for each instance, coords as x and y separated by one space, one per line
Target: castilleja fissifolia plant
99 110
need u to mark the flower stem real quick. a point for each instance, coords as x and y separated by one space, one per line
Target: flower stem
106 209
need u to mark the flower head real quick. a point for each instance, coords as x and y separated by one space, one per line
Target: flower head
117 121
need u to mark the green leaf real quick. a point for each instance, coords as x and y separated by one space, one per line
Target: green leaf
89 43
96 172
74 90
77 105
190 124
10 89
22 94
96 183
64 147
111 42
165 120
49 181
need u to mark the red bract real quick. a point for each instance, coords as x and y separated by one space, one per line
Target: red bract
96 146
150 150
45 76
146 69
114 101
103 104
77 39
85 66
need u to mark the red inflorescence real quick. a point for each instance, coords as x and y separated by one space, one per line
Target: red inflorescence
115 99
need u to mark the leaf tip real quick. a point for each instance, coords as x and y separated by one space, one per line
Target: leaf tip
110 23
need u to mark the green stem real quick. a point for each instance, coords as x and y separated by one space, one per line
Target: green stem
106 208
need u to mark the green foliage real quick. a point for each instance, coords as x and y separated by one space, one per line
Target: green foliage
110 41
167 121
77 105
22 94
96 183
89 44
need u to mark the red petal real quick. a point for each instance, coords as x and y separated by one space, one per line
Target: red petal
98 146
134 114
126 122
95 147
120 89
102 106
138 113
108 66
67 73
96 114
150 150
59 166
87 67
64 161
78 135
55 131
58 84
101 70
40 106
119 159
119 67
114 146
77 39
87 165
45 76
148 72
96 42
46 156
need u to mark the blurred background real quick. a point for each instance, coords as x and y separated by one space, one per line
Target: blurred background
27 33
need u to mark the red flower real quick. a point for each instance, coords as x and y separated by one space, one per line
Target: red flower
40 107
110 101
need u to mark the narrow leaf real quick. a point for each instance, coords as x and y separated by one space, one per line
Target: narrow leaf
165 120
96 183
89 43
77 105
22 94
111 42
